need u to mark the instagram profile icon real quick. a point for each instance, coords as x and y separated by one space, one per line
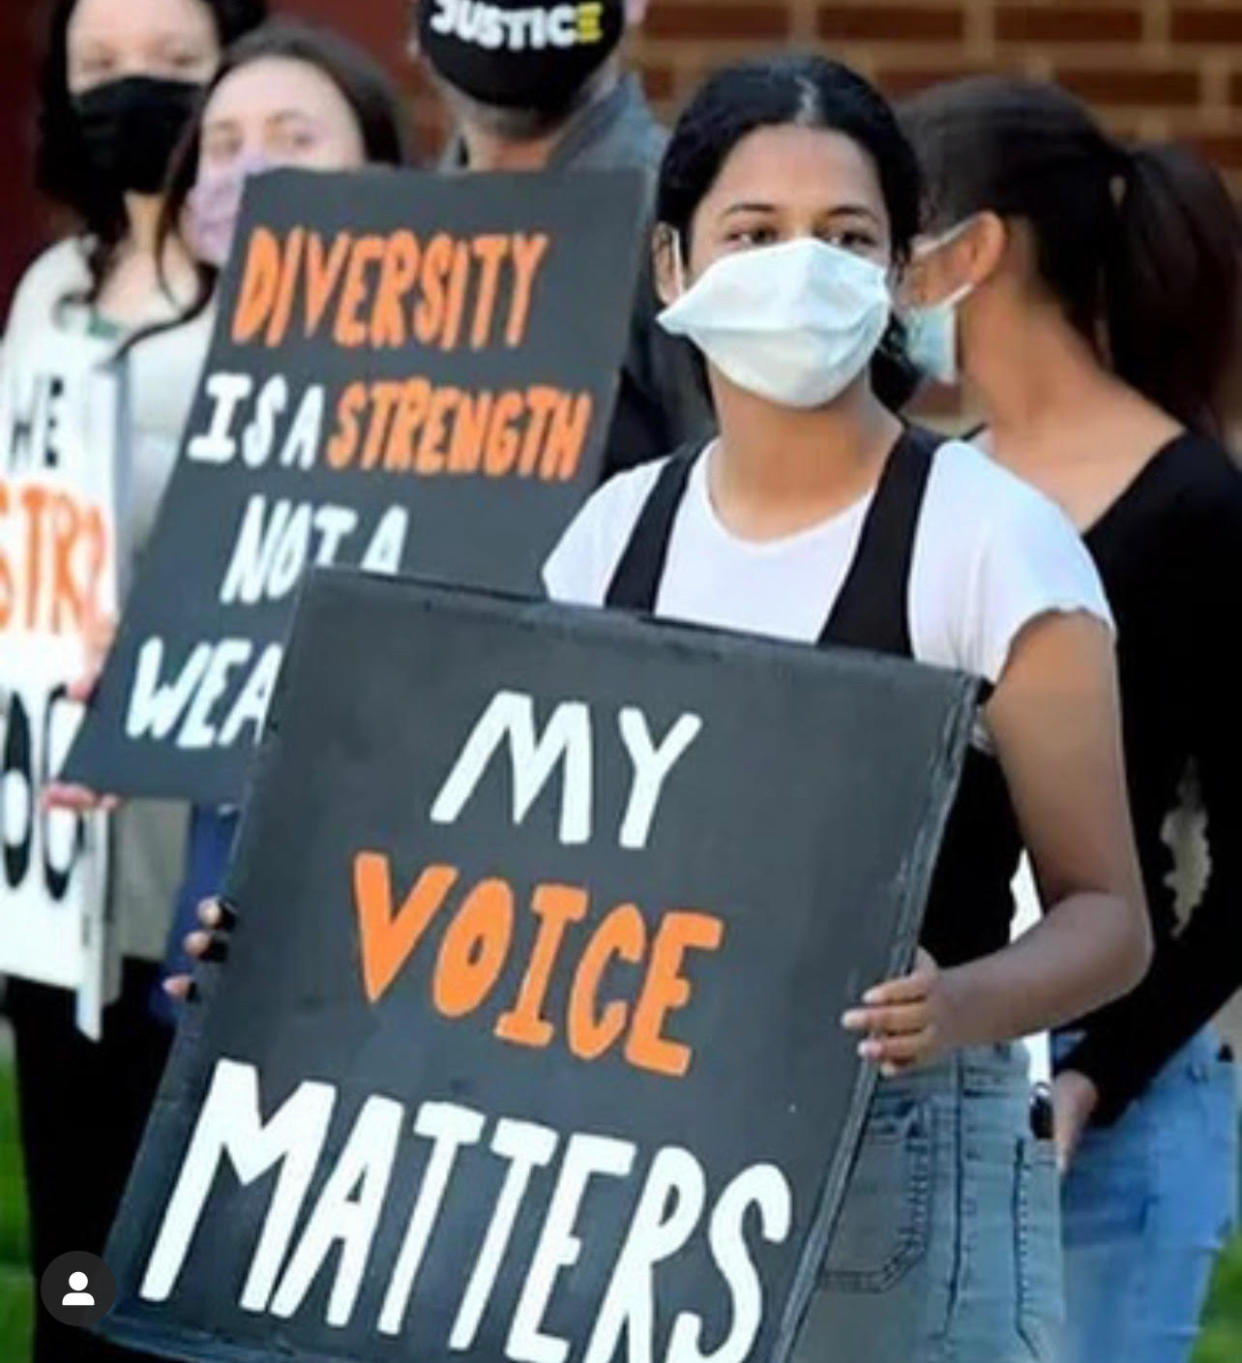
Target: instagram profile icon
78 1289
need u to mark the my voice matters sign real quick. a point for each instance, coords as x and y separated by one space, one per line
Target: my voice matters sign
409 373
529 1043
61 416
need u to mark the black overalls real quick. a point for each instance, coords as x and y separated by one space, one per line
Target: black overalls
971 904
948 1245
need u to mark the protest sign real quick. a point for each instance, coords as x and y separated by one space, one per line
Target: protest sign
61 409
409 372
529 1042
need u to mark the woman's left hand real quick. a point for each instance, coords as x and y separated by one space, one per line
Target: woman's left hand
1074 1100
906 1021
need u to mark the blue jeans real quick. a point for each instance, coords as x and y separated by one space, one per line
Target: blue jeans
948 1246
1147 1206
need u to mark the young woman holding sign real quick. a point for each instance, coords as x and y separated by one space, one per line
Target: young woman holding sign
788 203
287 95
1088 293
119 84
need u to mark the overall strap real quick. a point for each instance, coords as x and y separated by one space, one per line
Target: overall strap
636 583
872 610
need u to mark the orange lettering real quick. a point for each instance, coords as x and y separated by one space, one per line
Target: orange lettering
387 939
429 315
260 281
34 502
415 398
469 431
95 532
490 252
473 952
350 330
666 990
542 402
622 934
455 308
384 400
343 446
567 436
6 572
397 276
430 458
502 439
322 276
556 906
282 312
67 608
528 254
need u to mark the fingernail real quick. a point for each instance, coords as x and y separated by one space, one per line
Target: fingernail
217 948
872 996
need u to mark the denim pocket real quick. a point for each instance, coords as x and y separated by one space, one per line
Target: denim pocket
1037 1248
884 1224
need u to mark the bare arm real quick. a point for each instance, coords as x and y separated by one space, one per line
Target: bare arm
1055 719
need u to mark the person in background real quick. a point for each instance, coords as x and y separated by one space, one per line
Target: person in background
569 105
118 86
787 204
286 95
1087 295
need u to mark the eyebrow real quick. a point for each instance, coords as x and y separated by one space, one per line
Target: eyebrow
841 211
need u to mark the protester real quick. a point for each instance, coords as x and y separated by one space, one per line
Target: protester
1087 294
119 83
787 202
286 95
563 103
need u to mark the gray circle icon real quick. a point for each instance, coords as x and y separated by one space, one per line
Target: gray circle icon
78 1289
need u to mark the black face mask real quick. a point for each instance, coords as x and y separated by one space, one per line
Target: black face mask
131 128
534 55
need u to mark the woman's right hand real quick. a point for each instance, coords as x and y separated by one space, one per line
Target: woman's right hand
97 635
209 943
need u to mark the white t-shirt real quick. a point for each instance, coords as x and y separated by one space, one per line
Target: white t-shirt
991 554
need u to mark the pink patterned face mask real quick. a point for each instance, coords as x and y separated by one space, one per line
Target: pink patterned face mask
215 203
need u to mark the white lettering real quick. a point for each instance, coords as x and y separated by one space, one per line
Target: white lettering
227 392
230 1124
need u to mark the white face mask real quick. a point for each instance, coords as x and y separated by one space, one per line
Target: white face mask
795 323
931 331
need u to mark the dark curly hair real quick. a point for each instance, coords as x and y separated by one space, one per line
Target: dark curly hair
810 92
62 170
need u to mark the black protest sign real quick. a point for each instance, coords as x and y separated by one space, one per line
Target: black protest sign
529 1043
409 373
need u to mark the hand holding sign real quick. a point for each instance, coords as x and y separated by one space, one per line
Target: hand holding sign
529 1036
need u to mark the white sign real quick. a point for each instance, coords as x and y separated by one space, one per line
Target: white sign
61 413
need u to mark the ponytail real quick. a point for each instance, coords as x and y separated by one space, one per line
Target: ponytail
1172 284
1140 248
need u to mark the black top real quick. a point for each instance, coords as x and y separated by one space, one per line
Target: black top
970 906
1170 553
662 399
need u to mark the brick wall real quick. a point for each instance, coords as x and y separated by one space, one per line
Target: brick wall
1152 68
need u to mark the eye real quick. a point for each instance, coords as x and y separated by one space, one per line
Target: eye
752 236
855 239
95 68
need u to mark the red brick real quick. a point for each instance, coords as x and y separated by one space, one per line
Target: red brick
898 82
1206 25
890 23
1069 24
659 82
1133 87
1222 149
717 19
